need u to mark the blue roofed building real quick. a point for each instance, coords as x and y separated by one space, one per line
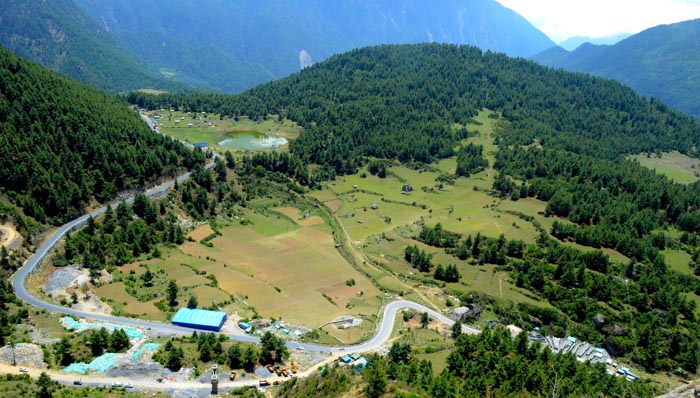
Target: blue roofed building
199 319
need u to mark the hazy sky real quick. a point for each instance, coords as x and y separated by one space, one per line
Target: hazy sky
561 19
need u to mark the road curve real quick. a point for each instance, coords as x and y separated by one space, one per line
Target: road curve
18 283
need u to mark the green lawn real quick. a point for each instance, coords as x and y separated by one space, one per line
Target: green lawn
438 359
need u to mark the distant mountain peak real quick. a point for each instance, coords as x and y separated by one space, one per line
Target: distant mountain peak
574 42
661 62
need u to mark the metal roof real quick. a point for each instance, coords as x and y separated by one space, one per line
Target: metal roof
197 317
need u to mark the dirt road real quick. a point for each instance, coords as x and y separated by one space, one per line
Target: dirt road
9 236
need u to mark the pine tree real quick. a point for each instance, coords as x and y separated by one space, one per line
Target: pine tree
235 356
192 302
456 329
375 376
172 293
119 340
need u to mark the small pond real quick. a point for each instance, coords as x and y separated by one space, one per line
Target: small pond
251 140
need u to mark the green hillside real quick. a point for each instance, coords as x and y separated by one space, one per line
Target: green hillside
400 102
660 62
560 138
60 36
64 145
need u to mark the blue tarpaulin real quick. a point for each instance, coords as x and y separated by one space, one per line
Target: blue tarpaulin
99 364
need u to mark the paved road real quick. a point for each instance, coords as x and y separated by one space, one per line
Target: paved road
18 283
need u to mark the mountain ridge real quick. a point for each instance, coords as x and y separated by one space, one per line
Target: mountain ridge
661 62
230 47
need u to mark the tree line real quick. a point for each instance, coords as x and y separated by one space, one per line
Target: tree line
490 364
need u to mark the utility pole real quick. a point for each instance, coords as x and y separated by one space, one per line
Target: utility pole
14 360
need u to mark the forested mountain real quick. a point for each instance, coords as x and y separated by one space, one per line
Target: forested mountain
399 102
562 140
64 144
235 45
60 36
663 62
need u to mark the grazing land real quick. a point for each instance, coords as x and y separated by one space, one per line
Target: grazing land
674 165
381 219
125 304
212 129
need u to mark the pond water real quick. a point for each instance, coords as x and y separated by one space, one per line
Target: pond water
251 140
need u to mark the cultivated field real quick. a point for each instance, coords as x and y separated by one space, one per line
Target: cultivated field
282 265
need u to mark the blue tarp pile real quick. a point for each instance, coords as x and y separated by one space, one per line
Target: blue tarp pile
75 326
99 364
146 347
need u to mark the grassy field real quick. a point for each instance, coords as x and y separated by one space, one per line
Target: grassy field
678 261
298 272
380 220
438 359
695 298
123 303
674 165
195 127
463 207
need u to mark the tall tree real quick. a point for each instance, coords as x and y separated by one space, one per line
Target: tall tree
45 385
119 340
273 349
424 320
192 302
235 356
250 358
171 293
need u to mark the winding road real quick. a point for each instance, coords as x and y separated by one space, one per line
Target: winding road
18 283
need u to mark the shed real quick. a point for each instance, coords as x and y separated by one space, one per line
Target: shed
201 145
346 359
355 357
199 319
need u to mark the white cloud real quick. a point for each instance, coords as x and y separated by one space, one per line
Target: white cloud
561 19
